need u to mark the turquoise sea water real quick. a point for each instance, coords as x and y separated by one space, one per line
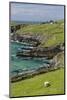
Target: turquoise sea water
21 63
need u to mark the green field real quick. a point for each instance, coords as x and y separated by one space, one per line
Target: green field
35 85
50 34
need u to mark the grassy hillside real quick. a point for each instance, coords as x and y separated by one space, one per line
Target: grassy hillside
50 34
35 85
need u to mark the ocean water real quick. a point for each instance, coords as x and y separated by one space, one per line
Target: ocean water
22 64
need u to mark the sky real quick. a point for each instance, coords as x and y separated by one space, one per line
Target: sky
36 12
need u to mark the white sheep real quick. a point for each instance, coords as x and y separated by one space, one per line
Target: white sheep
46 84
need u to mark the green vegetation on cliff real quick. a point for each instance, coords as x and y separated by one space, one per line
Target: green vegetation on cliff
50 34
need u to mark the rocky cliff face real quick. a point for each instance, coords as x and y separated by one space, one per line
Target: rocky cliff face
48 52
59 59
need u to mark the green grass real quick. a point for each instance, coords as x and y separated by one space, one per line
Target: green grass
51 34
35 86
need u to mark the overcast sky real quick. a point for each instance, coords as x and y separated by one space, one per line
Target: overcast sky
35 12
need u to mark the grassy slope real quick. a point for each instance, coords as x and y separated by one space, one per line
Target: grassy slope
34 86
51 34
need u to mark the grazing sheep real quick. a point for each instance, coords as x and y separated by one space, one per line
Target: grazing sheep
46 84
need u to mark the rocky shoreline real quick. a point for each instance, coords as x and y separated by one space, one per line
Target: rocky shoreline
53 65
34 50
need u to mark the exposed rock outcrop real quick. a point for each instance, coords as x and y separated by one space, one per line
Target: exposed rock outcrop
49 52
